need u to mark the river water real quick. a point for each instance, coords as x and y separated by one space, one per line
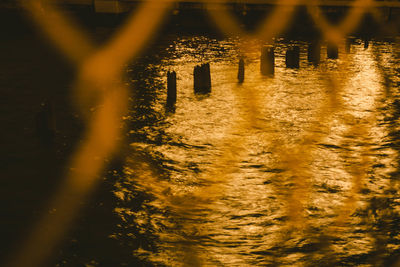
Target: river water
298 169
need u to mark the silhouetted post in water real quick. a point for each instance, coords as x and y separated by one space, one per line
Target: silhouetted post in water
241 70
202 79
348 44
314 52
267 60
293 57
288 58
171 89
45 124
366 42
332 51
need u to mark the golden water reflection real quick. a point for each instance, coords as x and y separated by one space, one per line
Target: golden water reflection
298 169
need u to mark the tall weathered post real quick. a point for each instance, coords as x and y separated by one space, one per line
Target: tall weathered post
202 79
348 44
171 89
267 60
366 42
314 52
332 51
241 70
288 57
293 57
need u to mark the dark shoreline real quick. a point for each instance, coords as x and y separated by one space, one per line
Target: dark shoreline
189 20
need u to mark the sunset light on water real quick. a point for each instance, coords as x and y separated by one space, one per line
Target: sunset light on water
295 168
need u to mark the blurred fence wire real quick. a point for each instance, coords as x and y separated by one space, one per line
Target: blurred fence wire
101 96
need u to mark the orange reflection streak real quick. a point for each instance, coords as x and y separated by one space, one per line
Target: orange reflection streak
298 159
357 164
99 86
271 27
358 170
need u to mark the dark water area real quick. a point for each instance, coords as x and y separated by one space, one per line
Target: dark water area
31 72
155 206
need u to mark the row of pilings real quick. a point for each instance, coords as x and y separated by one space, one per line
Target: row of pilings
202 75
45 121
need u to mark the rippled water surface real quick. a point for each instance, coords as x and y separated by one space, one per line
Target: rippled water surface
299 169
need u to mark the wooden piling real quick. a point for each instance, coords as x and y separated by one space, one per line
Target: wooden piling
348 44
293 57
171 89
267 61
202 79
241 70
314 52
296 56
332 51
366 43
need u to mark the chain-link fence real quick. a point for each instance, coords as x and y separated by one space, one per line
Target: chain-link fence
101 96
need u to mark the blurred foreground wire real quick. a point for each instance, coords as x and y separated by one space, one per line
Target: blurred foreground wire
99 87
101 96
